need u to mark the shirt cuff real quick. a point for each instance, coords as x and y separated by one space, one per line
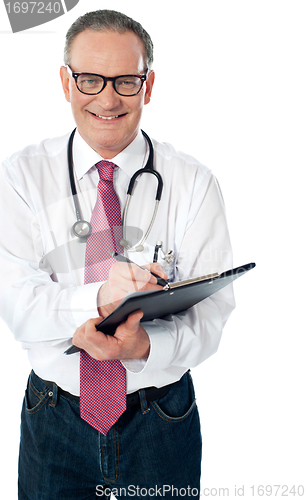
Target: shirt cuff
84 302
161 346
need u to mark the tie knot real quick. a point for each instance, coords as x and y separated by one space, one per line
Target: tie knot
106 170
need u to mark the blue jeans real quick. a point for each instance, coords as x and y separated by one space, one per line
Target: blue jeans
154 450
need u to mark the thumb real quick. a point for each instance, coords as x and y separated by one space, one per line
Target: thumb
133 320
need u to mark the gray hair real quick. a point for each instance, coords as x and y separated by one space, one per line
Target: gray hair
104 20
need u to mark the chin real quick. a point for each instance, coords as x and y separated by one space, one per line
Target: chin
108 142
115 140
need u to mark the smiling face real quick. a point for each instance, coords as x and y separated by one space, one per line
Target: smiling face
107 121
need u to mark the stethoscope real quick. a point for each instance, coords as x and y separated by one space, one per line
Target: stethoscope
82 229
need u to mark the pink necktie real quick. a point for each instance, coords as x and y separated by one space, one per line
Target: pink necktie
102 383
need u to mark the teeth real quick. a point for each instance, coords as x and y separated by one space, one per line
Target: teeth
107 117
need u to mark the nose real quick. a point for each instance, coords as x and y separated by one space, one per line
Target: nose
108 98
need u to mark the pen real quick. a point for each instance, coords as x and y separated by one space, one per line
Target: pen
120 258
156 250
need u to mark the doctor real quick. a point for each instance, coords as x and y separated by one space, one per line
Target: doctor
154 445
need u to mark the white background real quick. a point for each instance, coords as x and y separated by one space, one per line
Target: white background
230 90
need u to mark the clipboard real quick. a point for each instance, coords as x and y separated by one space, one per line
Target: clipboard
174 298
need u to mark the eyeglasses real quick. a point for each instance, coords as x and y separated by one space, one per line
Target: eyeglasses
92 84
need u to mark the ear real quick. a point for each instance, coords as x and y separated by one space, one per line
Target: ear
149 86
65 82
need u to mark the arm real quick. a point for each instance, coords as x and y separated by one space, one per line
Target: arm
187 339
35 308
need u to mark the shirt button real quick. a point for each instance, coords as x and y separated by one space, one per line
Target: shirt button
50 394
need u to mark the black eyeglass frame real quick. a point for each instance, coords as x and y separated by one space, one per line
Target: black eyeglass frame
106 79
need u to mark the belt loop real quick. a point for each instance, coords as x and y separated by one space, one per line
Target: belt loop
143 401
53 393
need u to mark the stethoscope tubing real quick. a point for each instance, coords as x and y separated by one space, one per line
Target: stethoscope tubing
85 226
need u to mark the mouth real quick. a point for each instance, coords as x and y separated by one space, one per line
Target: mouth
107 118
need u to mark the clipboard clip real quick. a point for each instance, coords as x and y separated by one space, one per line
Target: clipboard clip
177 284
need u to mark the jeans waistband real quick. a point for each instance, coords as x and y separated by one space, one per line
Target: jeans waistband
133 399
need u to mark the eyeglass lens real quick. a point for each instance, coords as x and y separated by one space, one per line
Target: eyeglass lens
124 85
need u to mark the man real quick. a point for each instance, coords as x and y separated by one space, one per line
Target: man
147 443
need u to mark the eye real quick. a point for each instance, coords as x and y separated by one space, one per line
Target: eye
128 82
89 81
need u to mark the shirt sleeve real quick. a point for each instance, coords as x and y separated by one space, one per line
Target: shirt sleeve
36 308
187 339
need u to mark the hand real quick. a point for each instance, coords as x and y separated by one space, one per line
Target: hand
130 341
123 279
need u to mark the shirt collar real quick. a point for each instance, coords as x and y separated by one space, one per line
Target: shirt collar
132 158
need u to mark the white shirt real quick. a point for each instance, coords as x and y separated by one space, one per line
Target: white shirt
42 295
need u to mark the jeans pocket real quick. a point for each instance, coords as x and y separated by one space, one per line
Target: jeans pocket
178 403
34 398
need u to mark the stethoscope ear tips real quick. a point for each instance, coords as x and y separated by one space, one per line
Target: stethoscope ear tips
124 243
140 248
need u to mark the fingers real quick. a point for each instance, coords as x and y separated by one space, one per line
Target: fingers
129 342
85 332
135 273
126 278
157 269
121 272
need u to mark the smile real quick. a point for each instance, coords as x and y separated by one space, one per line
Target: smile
106 117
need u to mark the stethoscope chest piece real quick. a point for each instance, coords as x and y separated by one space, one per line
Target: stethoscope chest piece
82 229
